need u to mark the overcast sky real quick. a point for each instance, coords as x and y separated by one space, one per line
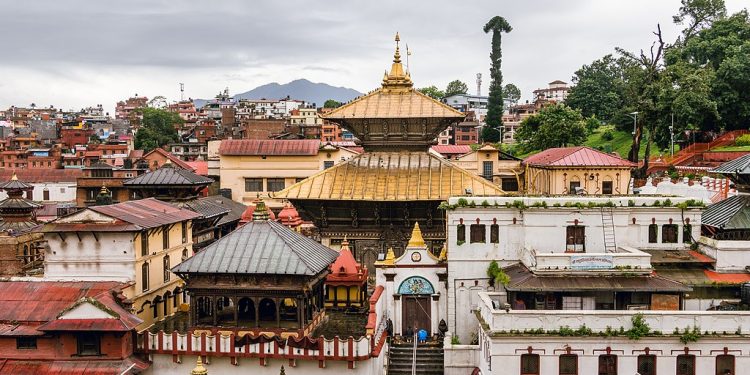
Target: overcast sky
73 54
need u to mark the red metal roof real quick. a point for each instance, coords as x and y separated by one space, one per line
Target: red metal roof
345 269
729 278
146 213
452 149
29 304
84 325
199 167
41 175
73 367
175 160
574 157
269 147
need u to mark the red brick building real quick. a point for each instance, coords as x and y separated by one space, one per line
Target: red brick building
49 327
72 136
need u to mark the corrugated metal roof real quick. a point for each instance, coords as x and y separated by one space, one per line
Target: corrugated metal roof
235 208
740 165
146 213
576 156
730 213
269 147
522 280
391 176
15 185
168 175
127 366
42 175
42 301
260 247
452 149
207 209
113 325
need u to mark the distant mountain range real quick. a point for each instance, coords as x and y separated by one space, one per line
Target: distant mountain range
300 89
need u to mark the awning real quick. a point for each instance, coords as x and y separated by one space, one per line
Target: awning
523 280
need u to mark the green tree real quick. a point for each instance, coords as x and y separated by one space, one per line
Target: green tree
553 126
598 89
493 131
697 15
330 103
456 87
432 92
512 93
157 128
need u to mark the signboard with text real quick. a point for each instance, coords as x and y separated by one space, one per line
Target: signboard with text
591 262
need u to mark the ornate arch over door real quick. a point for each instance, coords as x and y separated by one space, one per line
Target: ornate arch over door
416 285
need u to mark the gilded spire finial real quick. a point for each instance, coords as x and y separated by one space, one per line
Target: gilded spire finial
397 55
199 369
397 79
15 177
416 239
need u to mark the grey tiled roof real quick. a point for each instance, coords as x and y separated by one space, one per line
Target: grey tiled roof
731 213
740 165
169 176
261 247
207 209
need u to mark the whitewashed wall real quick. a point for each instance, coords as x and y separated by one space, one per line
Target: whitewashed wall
109 259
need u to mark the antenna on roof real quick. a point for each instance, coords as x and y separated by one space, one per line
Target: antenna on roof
479 84
182 91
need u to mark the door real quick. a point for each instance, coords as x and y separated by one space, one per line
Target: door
416 313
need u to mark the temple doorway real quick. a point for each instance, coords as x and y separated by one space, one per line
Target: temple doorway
417 313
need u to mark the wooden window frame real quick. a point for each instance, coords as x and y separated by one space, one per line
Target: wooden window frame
653 233
646 357
81 345
494 233
145 276
665 230
165 237
253 180
611 187
461 233
691 358
144 243
729 356
538 364
477 233
599 364
26 343
567 356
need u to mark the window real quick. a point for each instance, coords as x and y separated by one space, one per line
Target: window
687 233
477 233
45 194
573 185
653 232
685 364
25 342
166 268
509 184
88 344
607 364
575 238
647 364
144 243
184 232
165 237
606 187
568 364
725 364
460 233
184 254
253 184
494 233
530 364
327 164
144 276
487 170
669 233
274 184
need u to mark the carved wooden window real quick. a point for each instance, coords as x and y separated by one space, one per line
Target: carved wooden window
607 364
477 233
647 364
568 364
530 364
653 233
685 364
725 364
669 233
494 233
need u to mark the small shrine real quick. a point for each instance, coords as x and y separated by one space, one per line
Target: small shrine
346 285
17 212
262 210
263 278
23 251
414 284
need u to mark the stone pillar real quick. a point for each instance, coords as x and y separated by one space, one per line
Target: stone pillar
435 313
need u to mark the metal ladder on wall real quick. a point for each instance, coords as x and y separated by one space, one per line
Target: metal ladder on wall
608 228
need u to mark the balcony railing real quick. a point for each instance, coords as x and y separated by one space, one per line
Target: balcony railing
602 321
624 260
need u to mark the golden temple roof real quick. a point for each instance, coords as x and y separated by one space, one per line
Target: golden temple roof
397 98
391 176
416 239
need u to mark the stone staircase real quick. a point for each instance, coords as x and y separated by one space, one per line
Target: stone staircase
429 359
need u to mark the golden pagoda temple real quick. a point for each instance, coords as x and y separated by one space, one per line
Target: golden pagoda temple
375 198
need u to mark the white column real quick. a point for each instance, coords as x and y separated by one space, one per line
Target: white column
435 314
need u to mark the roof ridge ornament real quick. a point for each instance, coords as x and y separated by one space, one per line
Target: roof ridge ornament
416 239
397 80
